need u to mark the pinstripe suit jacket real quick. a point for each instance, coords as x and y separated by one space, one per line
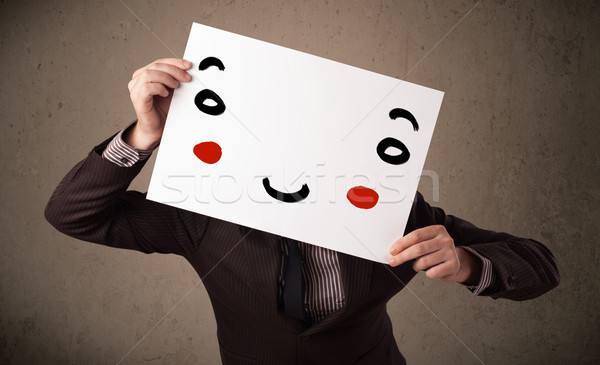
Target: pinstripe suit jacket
240 268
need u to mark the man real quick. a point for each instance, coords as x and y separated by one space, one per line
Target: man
247 273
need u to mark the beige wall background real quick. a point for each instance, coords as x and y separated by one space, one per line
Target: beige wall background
515 149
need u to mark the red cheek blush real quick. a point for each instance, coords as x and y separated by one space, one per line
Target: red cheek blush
362 197
208 152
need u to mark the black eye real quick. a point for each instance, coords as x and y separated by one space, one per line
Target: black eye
211 61
392 159
388 142
207 94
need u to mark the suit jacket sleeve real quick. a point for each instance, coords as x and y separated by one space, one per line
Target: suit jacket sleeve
92 203
522 268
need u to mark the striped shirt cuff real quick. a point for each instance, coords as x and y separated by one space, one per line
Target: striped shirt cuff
487 273
122 154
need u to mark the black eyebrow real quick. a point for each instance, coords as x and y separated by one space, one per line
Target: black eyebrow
403 113
211 61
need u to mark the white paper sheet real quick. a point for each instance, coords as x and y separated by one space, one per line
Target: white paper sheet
296 119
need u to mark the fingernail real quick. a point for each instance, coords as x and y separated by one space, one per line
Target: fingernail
188 76
392 261
392 251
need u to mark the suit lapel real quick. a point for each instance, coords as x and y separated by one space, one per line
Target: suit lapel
264 258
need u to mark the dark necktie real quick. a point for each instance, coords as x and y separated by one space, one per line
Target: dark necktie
293 291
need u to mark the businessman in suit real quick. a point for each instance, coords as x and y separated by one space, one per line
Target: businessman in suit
252 276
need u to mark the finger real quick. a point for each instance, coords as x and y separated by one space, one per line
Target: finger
413 252
442 270
448 277
414 237
131 84
175 72
154 76
430 260
149 90
176 62
170 61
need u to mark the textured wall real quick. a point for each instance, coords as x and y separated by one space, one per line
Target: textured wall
515 149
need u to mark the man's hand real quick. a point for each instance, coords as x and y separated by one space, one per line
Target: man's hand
151 90
433 250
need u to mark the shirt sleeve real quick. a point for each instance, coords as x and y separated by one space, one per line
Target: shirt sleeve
487 274
122 154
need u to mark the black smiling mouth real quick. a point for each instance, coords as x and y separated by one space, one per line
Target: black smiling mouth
286 197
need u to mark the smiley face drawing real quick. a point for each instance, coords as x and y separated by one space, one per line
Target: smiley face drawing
360 196
293 144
